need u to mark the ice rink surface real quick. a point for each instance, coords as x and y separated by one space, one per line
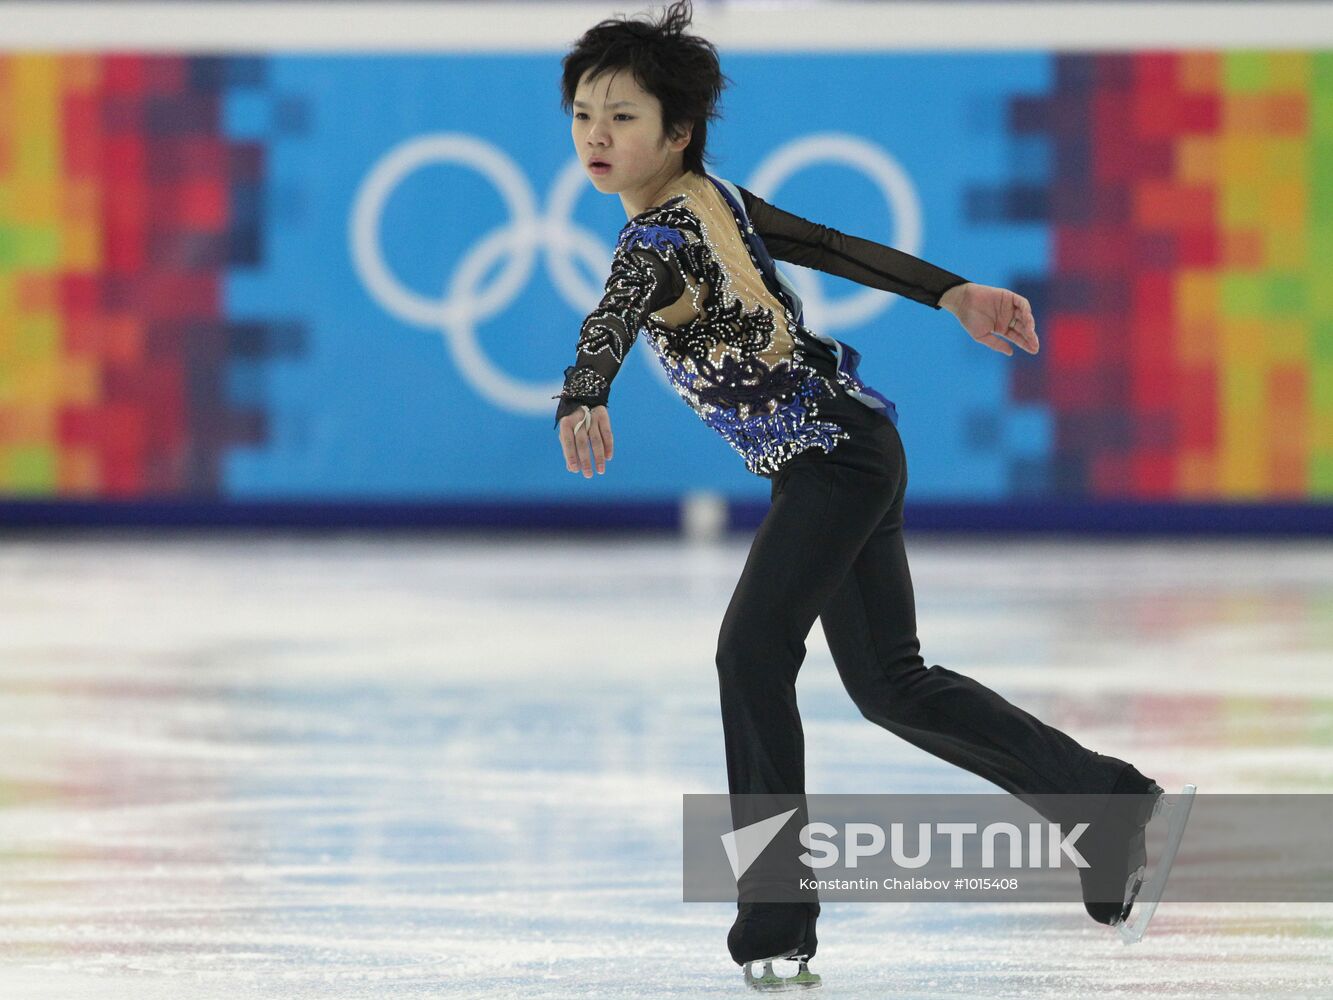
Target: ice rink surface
251 766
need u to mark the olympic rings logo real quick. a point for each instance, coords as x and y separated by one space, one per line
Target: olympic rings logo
465 304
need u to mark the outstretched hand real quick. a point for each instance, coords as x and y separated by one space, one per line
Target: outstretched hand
585 437
993 316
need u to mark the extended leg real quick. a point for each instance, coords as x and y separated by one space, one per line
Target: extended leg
870 625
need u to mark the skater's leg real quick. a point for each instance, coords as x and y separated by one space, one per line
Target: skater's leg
820 518
821 514
870 625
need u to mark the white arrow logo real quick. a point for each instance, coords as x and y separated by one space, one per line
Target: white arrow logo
747 843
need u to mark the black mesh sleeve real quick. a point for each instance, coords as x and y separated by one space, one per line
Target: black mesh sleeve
791 238
646 275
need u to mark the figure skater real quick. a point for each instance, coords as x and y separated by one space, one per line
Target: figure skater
693 269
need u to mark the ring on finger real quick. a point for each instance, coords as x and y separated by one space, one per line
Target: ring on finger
585 422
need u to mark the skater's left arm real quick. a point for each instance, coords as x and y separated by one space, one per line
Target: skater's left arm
991 316
791 238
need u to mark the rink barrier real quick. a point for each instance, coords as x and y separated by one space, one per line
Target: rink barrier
1105 518
491 516
672 516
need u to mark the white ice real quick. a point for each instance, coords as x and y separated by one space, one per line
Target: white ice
250 766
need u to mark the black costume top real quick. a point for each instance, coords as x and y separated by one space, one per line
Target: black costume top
695 272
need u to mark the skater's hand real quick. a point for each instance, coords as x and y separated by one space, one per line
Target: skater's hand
993 316
585 438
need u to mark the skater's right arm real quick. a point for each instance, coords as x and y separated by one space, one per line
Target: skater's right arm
647 274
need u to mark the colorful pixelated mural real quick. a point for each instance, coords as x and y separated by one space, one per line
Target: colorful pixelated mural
182 314
122 207
1188 314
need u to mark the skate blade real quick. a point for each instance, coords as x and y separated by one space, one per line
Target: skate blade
1150 893
769 981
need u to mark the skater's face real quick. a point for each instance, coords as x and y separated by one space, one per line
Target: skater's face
619 123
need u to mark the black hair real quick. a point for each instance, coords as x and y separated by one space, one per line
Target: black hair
679 69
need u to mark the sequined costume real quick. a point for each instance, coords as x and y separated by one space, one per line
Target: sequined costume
695 273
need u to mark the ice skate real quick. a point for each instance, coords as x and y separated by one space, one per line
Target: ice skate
1176 814
765 933
769 981
1117 854
1113 845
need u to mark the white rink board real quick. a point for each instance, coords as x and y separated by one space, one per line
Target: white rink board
735 26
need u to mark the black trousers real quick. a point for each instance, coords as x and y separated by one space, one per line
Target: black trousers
831 547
